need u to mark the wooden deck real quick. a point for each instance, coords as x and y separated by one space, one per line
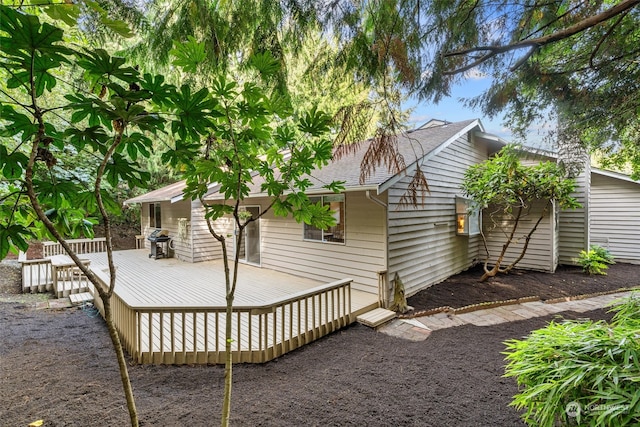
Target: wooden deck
168 282
168 311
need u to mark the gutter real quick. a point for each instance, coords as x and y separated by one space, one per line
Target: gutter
375 200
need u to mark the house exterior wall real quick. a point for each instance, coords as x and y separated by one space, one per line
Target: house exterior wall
423 246
360 258
540 252
615 217
170 214
574 224
205 246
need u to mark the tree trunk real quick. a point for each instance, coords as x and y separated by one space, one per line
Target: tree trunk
496 268
228 365
122 362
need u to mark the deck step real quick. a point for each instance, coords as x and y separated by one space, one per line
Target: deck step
376 317
81 298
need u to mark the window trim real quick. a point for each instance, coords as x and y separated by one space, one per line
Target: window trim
344 226
466 215
155 215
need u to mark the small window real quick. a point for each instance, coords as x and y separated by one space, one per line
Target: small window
155 216
335 234
467 217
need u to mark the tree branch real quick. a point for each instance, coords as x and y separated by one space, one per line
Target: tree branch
535 43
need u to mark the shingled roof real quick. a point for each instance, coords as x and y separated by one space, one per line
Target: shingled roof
413 145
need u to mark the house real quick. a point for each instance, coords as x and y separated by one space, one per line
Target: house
378 235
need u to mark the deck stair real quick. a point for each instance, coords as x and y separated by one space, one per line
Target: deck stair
376 317
81 298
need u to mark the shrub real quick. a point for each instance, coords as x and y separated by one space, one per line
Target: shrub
580 372
596 260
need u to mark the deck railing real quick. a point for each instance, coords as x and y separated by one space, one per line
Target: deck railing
68 279
51 275
36 276
79 246
260 332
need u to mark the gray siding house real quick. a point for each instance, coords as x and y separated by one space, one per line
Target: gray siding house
378 235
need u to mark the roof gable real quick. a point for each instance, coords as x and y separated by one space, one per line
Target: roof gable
614 175
413 146
164 194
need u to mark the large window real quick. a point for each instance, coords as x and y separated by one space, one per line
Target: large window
155 216
333 234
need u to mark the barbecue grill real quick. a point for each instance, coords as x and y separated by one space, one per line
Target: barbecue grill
159 244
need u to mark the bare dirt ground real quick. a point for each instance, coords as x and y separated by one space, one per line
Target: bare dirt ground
465 289
59 366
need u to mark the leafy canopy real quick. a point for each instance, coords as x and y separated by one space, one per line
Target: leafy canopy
50 128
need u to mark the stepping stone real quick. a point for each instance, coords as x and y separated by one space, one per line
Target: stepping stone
59 303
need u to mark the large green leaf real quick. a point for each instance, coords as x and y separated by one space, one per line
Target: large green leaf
12 164
194 112
93 136
99 64
17 123
28 34
315 122
265 63
14 235
121 170
57 194
85 107
161 92
136 143
66 12
188 55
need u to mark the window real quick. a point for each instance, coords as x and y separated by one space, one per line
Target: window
333 234
155 217
467 217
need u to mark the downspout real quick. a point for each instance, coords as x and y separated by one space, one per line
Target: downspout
383 292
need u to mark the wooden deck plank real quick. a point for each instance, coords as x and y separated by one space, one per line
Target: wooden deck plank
167 288
168 282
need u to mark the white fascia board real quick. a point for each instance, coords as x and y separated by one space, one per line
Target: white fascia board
180 196
614 175
524 148
315 191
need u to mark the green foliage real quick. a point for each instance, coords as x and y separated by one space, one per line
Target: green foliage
596 260
580 372
511 189
503 180
114 121
252 141
188 55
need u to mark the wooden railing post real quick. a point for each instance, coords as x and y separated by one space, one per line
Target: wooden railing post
174 335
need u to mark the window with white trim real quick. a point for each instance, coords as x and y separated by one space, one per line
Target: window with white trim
334 234
468 217
155 215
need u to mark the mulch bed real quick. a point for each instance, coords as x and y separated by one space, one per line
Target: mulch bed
465 289
58 366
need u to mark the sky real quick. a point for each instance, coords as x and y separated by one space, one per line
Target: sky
452 109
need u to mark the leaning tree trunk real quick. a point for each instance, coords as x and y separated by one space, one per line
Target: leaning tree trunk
496 268
527 238
122 362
